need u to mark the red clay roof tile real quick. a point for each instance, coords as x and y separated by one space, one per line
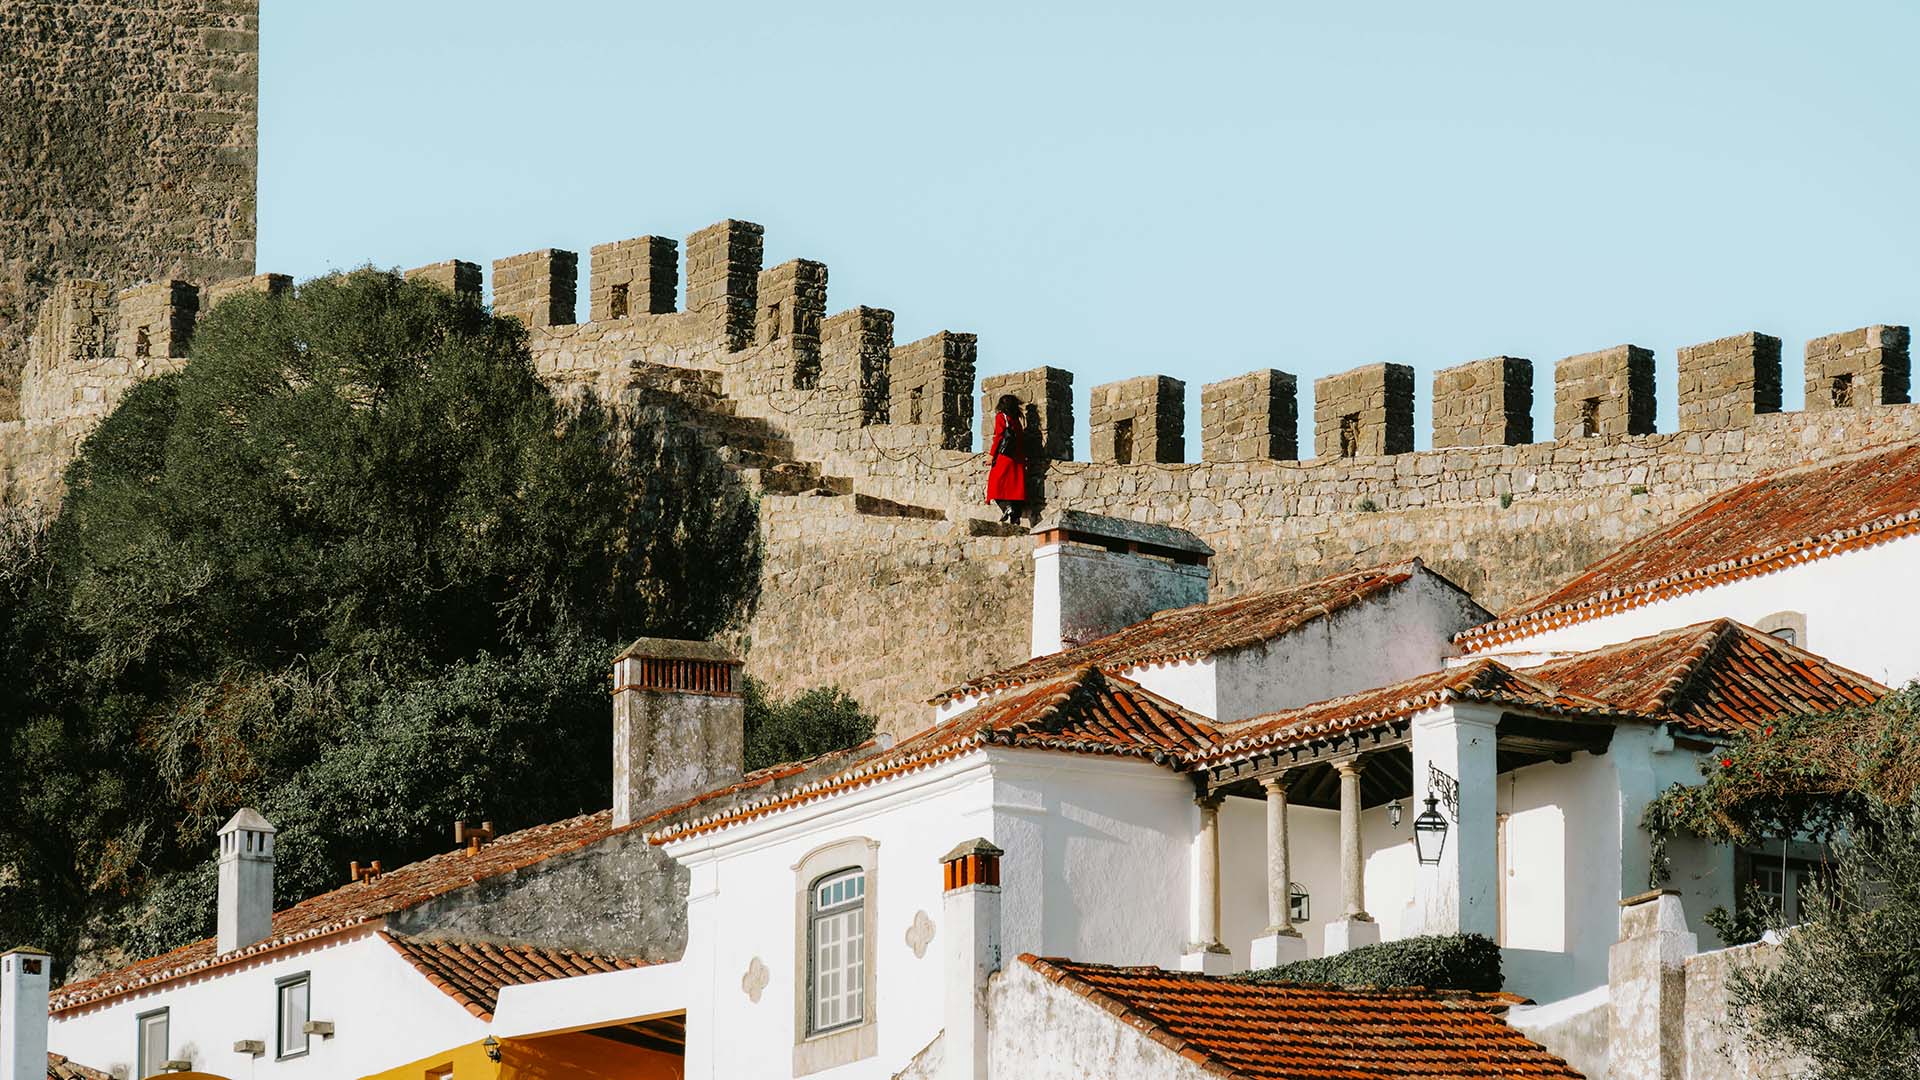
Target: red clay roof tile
60 1067
1761 526
472 973
1282 1031
1200 630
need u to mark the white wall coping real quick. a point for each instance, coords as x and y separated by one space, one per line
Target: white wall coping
590 1001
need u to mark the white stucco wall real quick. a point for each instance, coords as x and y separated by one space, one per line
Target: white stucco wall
1081 1039
1857 603
384 1011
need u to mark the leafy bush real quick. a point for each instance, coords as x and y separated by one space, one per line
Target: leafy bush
354 565
1437 962
810 724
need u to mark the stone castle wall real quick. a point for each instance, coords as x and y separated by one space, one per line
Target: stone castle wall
127 149
884 571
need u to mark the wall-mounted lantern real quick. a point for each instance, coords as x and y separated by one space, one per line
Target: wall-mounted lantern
492 1046
1430 833
1393 814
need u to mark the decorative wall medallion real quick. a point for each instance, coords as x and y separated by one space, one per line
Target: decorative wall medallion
755 980
919 934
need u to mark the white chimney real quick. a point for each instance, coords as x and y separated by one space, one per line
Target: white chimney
1093 575
971 875
25 975
246 882
679 724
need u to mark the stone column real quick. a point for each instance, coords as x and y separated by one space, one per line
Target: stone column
1355 927
1461 894
1206 954
1280 943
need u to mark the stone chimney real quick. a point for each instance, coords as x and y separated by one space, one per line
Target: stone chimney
678 724
1647 973
25 975
246 882
1093 575
971 875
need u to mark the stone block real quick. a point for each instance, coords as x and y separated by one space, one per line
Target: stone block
457 276
1868 366
1484 403
1725 383
1139 421
1364 412
266 284
537 288
855 347
1047 395
640 276
723 271
1609 392
1251 417
931 382
792 300
157 320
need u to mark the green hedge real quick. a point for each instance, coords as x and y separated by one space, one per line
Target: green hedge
1450 962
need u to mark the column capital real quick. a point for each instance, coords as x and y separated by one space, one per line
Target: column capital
1209 802
1278 784
1350 766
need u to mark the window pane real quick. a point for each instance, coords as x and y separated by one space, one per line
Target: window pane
838 926
153 1044
293 1018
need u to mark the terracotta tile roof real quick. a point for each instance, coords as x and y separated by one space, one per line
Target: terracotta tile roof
472 973
63 1068
1084 710
1715 677
1201 630
1719 677
1288 1031
1482 680
415 883
1759 527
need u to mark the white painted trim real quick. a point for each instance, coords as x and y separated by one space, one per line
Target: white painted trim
590 1001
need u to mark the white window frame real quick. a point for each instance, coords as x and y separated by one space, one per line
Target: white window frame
1793 621
814 1049
836 921
280 988
141 1048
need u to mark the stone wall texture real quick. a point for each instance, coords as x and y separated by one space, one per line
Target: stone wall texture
1139 420
1251 417
884 569
1726 383
1484 403
127 150
1364 412
1609 392
1868 366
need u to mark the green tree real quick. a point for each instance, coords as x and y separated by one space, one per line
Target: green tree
1843 990
809 724
353 564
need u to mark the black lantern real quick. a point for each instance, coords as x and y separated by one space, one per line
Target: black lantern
1430 833
1393 814
492 1046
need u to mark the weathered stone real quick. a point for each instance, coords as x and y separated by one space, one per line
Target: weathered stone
1364 412
1609 392
1484 403
537 288
457 276
1139 421
1868 366
1251 417
1727 382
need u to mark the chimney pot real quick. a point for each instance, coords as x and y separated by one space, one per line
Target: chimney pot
678 724
245 914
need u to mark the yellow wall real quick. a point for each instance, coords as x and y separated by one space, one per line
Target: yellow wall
577 1055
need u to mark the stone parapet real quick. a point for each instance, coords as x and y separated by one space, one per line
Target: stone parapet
931 382
537 288
723 270
264 284
1046 393
72 327
855 347
1606 393
457 276
1251 417
1725 383
793 301
157 320
1868 366
1364 412
1484 403
640 276
1139 420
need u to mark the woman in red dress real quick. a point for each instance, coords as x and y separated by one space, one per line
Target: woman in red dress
1007 457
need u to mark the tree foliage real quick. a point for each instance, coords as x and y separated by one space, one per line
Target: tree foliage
1435 961
352 564
807 725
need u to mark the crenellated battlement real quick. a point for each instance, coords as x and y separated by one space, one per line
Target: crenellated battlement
869 453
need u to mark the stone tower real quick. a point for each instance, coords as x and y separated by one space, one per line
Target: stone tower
127 149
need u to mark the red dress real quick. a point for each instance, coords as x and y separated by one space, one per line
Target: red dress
1007 479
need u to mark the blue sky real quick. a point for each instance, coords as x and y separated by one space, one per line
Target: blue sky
1124 189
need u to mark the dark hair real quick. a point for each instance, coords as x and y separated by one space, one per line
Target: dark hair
1008 404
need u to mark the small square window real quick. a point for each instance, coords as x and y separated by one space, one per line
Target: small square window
1590 417
1842 389
294 1010
1350 435
617 302
1123 441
